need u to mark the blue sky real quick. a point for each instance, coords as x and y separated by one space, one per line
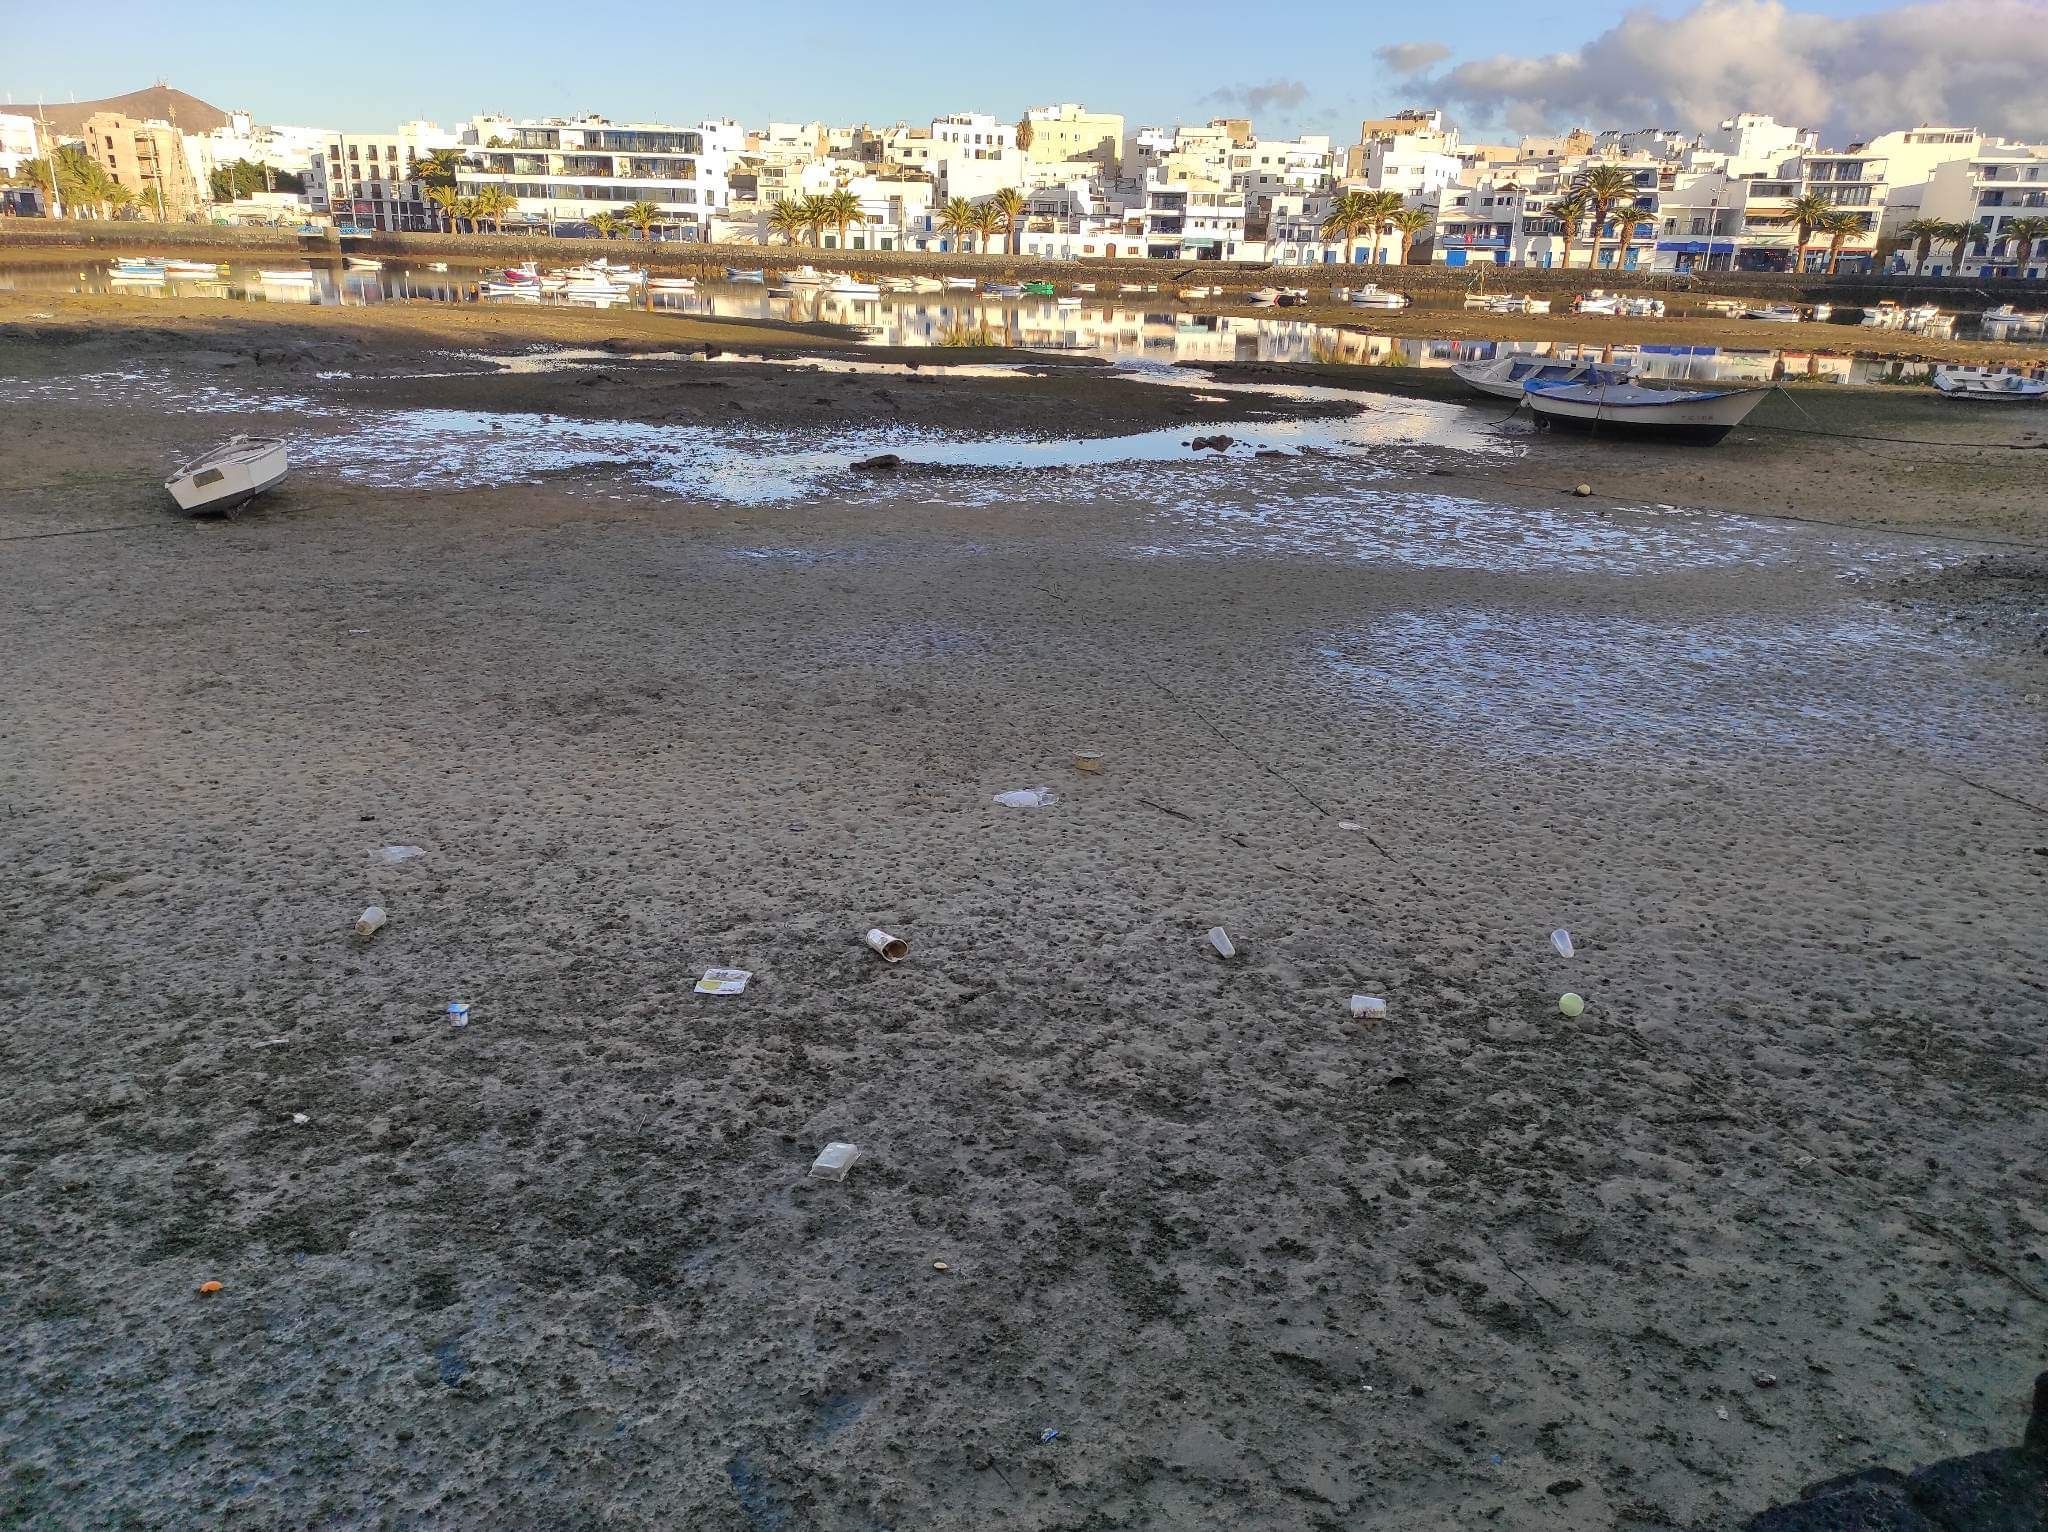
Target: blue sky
361 64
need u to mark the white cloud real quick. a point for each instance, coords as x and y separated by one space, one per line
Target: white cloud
1981 63
1411 58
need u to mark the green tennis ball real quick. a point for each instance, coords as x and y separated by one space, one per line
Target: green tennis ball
1570 1004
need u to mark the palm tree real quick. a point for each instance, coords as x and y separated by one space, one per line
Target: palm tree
957 218
1343 221
1610 193
787 219
437 169
464 211
1009 206
1569 209
444 199
817 213
986 221
643 215
606 224
843 208
1959 235
1923 232
491 204
1409 222
1809 212
1378 210
1838 225
2026 232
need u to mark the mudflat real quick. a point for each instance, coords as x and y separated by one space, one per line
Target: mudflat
1138 1236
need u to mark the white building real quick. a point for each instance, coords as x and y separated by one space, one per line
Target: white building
1069 132
365 180
562 172
2000 183
17 142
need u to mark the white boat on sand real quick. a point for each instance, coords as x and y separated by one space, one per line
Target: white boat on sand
672 284
1505 377
233 473
1773 313
1988 385
1702 415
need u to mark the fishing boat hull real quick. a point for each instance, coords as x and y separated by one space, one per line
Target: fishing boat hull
734 274
229 476
1703 416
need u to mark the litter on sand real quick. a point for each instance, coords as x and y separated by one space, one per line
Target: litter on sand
209 1288
894 949
723 981
398 853
1562 940
1220 940
1087 760
834 1161
458 1013
1368 1008
1048 1435
1028 798
371 921
1349 824
300 1119
1571 1004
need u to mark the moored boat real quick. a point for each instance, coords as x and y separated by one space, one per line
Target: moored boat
230 475
192 268
738 274
1374 297
1702 415
1003 290
672 284
283 277
1506 377
843 286
1989 385
960 284
1597 301
1773 313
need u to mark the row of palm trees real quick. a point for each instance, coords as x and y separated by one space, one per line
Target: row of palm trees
1926 233
1354 214
795 219
85 186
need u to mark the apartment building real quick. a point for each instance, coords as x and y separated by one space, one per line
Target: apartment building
365 181
1192 218
565 172
1070 133
1503 219
148 158
1994 187
972 136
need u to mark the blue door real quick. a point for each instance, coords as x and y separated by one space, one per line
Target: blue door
1454 257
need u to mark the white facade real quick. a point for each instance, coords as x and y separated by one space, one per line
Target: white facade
973 136
1413 166
364 180
1991 189
17 142
563 172
1069 132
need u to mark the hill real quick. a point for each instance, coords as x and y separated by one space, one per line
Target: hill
160 101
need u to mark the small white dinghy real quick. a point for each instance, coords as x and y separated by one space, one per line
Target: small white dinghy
1988 386
233 473
1506 377
1631 409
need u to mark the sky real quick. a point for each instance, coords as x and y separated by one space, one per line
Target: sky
1850 67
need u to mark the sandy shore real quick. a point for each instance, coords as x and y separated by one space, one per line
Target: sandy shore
1254 1262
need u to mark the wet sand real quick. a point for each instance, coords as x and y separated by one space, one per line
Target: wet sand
1256 1263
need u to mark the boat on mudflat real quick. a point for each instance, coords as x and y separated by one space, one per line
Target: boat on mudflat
1506 377
230 475
1988 385
1703 415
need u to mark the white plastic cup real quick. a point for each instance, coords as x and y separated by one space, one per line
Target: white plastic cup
371 921
894 949
1368 1008
1220 940
1562 941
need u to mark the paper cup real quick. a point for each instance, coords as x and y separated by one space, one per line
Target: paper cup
1087 760
894 949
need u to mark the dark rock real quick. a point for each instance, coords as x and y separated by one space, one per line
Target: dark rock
880 460
1272 452
1564 1486
1217 443
1857 1510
